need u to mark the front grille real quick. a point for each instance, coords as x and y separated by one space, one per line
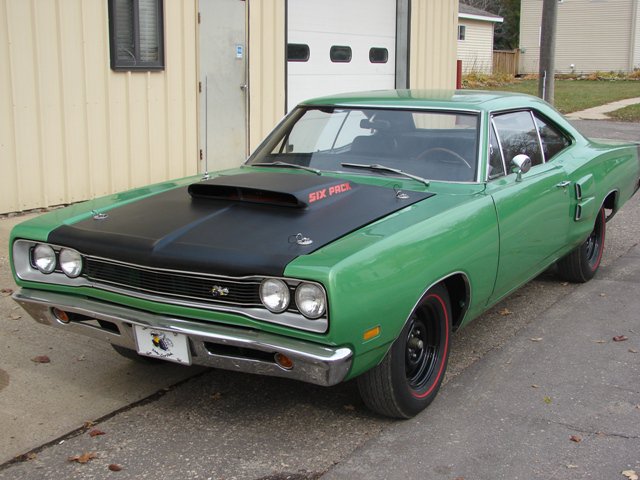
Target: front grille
241 292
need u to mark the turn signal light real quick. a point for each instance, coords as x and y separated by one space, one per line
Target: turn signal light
61 315
283 361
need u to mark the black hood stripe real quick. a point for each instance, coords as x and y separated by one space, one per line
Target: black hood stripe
246 233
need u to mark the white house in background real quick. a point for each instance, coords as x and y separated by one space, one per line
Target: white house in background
591 35
475 38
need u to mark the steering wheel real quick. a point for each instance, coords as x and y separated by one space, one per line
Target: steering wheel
458 158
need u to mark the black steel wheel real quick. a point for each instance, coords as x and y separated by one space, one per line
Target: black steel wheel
409 377
581 264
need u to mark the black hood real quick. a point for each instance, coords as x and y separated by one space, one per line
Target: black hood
235 225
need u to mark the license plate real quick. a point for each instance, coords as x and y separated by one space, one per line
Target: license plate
156 343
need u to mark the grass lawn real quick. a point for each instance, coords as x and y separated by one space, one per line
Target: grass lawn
574 95
627 114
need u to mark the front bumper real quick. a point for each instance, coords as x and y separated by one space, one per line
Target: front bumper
211 345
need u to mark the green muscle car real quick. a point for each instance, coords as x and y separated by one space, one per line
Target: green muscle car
360 234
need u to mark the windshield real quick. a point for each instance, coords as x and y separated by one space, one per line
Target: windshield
429 144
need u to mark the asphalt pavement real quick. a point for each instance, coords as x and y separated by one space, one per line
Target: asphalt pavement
536 388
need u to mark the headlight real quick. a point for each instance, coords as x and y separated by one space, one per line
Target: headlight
44 258
70 262
274 294
311 300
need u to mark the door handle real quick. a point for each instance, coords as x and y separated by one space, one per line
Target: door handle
563 184
244 87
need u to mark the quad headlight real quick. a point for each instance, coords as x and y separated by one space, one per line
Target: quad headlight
44 258
311 300
70 262
274 294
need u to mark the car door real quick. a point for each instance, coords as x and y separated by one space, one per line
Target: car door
533 209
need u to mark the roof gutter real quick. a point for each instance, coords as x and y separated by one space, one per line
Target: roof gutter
470 16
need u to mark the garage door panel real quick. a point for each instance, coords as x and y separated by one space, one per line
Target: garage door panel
358 24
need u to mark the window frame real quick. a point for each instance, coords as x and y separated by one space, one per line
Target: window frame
533 113
136 64
462 33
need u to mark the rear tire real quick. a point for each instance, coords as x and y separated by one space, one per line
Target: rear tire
580 265
409 377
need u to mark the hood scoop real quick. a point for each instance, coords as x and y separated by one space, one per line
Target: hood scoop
243 194
277 189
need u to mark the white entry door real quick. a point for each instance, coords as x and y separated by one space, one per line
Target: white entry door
223 77
338 46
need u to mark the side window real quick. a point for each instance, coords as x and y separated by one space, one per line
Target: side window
136 34
496 165
553 141
518 134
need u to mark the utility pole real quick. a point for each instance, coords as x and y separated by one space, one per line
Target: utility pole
546 84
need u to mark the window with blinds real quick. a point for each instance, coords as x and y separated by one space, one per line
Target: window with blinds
136 32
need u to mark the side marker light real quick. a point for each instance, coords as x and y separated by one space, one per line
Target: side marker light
371 333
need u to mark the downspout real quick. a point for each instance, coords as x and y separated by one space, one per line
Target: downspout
632 37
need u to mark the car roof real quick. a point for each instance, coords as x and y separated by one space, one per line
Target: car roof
475 100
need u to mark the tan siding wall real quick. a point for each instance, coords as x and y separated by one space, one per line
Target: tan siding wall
476 50
266 67
433 44
70 127
592 35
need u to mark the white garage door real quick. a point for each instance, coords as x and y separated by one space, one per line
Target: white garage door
339 46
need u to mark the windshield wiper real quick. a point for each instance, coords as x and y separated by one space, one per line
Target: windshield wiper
383 168
287 165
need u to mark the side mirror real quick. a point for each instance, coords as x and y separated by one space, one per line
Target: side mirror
520 164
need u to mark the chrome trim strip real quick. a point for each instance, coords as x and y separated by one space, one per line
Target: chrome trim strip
313 363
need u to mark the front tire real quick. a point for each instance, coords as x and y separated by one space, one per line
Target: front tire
409 377
581 264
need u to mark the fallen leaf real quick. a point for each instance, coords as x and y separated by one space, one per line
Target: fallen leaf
547 399
620 338
575 438
31 456
41 359
81 358
114 467
603 294
572 466
564 284
88 424
84 458
95 432
537 339
600 341
505 311
349 408
630 474
216 396
534 386
632 350
15 317
7 291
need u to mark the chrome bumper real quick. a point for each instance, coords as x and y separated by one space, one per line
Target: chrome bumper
211 345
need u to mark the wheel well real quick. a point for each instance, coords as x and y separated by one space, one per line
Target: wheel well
457 286
611 203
